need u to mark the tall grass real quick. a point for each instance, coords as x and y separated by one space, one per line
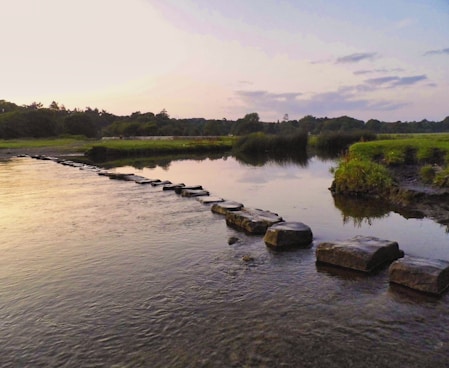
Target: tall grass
335 143
259 143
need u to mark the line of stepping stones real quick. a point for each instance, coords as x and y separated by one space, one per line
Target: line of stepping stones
361 253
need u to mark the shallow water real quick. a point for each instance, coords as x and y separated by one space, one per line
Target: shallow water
97 272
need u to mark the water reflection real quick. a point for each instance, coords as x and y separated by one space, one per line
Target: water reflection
361 211
261 159
163 161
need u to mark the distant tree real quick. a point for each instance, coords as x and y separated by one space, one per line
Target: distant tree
80 124
249 124
54 106
35 106
163 115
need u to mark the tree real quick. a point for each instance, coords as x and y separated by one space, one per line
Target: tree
80 124
249 124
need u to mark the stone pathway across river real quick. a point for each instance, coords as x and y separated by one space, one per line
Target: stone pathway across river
360 254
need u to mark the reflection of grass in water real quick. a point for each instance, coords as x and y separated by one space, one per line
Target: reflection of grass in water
361 210
260 159
152 162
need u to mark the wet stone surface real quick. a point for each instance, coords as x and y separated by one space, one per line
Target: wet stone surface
252 220
361 253
285 235
425 275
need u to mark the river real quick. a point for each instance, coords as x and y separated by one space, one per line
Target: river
104 273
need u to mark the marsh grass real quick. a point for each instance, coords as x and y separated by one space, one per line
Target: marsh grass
109 149
365 168
260 143
334 143
403 149
361 177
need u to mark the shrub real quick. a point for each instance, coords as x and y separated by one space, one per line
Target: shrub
361 177
337 142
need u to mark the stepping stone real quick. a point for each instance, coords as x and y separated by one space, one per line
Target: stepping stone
115 176
224 207
157 183
144 181
361 253
194 193
209 200
425 275
133 177
179 190
173 186
252 220
284 235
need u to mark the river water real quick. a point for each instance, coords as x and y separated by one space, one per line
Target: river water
103 273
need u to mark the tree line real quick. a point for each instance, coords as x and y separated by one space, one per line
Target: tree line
37 121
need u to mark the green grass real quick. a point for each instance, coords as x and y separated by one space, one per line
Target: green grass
365 169
166 144
361 177
401 149
59 144
113 149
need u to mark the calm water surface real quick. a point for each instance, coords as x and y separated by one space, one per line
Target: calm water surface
102 273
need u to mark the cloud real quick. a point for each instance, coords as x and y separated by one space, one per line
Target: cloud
344 100
355 58
374 71
245 82
437 52
394 81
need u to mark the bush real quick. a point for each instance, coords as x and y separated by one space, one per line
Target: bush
337 142
258 143
361 177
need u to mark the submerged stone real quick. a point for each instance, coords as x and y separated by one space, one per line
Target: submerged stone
287 235
361 253
209 200
252 220
223 208
425 275
194 193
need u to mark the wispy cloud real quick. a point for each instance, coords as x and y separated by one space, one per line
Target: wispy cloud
346 99
355 58
374 71
437 52
395 81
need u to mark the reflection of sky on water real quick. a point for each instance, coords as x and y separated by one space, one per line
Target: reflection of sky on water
300 193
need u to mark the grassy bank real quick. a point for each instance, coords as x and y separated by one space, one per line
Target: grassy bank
368 168
60 143
110 149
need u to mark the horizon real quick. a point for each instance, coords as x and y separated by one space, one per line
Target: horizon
214 60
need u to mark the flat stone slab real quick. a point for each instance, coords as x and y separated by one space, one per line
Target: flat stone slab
178 190
361 253
252 220
223 208
173 186
194 193
285 235
210 200
157 183
426 275
117 176
133 177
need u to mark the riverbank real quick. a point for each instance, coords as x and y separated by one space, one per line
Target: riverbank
410 172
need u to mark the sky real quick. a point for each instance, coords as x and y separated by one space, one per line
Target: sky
384 59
